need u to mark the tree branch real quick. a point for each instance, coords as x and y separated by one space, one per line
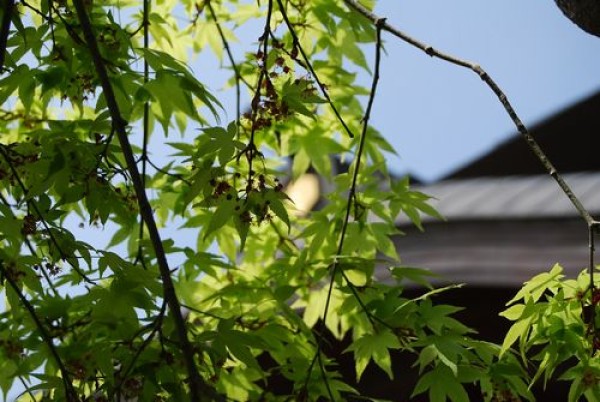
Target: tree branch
29 245
531 142
350 201
70 391
199 389
236 70
250 149
312 70
34 206
9 6
145 125
591 267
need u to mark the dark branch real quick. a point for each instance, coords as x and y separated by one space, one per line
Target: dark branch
46 338
29 245
352 194
250 150
198 388
145 122
70 391
34 206
531 142
155 326
9 7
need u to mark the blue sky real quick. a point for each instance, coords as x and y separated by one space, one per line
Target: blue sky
439 116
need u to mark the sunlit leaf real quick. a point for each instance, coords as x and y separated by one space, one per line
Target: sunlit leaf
374 347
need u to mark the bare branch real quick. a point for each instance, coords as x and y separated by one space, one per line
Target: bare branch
531 142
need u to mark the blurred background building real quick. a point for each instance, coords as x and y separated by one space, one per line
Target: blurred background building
506 218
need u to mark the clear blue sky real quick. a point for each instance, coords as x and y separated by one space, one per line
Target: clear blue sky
439 116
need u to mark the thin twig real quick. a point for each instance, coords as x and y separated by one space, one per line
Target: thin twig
38 212
145 122
68 27
167 173
312 70
4 31
70 391
199 389
289 54
352 193
27 390
531 142
156 325
206 313
592 287
350 201
250 150
29 246
35 10
51 24
236 70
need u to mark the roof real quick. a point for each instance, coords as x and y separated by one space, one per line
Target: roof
569 138
511 197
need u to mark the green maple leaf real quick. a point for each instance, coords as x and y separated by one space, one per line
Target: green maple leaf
374 346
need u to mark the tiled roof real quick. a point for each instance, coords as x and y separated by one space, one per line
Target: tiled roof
511 197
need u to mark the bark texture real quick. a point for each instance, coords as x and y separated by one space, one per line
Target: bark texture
584 13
